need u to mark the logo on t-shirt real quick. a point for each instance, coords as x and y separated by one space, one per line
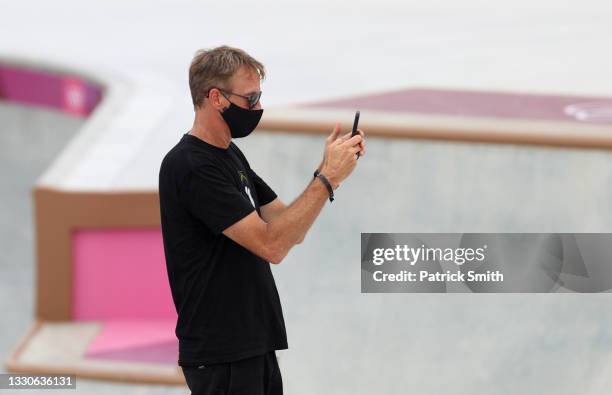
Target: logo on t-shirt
245 180
243 177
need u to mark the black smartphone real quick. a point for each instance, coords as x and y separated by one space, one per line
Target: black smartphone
355 124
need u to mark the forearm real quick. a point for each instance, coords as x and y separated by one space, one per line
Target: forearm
290 227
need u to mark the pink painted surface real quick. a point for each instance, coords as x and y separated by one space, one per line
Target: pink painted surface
74 96
68 93
135 341
120 274
579 109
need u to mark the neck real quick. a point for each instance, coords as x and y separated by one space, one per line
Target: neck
211 129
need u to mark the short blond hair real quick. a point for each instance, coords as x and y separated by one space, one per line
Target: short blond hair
215 67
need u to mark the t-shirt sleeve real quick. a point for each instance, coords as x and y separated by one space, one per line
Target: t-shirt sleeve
213 199
265 194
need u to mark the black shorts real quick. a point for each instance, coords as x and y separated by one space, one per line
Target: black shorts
258 375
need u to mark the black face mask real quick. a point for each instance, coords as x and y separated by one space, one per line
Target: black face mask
241 122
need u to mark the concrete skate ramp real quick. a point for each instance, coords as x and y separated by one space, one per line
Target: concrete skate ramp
29 141
341 341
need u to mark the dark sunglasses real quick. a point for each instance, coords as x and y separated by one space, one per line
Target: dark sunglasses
251 99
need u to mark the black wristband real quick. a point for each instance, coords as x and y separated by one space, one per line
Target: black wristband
316 173
327 184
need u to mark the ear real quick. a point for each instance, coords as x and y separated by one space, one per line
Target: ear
216 99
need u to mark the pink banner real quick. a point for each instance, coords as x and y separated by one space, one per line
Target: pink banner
67 93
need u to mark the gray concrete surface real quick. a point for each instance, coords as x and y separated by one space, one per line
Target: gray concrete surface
345 342
29 140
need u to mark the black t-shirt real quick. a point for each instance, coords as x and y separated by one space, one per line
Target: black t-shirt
225 296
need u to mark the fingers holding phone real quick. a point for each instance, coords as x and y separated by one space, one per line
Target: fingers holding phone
342 152
340 159
362 143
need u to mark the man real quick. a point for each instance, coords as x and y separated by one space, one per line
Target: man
222 225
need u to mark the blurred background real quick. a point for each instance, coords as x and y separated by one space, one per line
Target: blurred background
340 340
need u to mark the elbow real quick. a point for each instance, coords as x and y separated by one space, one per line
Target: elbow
276 256
276 252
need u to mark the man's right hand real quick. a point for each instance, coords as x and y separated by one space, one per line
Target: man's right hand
272 240
340 157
